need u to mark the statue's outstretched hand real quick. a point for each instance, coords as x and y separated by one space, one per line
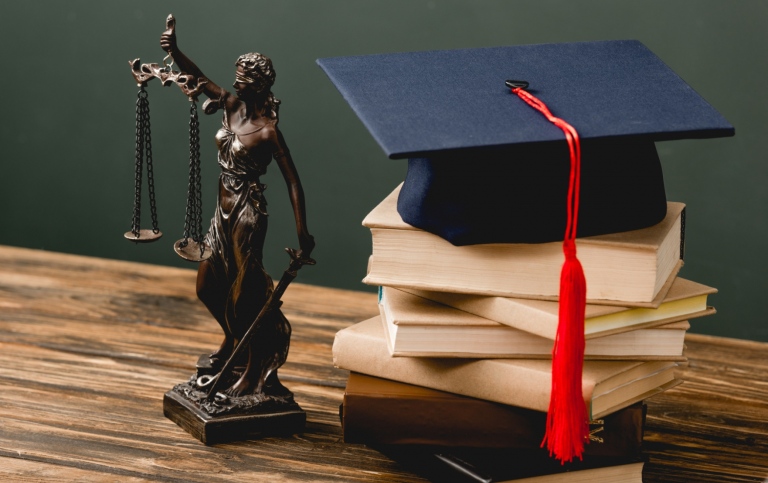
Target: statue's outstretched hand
168 38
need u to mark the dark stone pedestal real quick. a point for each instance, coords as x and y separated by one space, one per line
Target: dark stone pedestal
232 419
219 429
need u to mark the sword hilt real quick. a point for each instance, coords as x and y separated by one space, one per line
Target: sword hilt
298 260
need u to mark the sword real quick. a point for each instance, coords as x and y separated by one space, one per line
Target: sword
297 261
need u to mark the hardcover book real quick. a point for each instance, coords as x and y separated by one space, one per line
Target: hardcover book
418 327
607 386
488 465
634 268
381 411
685 300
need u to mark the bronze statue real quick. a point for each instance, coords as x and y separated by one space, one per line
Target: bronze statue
231 279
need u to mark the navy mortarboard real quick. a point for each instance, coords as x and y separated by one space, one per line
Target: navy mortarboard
565 150
485 169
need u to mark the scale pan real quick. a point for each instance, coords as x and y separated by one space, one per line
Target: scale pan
145 236
192 250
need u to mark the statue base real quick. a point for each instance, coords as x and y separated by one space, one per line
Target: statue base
222 429
229 418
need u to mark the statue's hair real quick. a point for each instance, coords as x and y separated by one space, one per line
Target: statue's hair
258 69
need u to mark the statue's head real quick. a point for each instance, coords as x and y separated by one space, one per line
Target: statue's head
256 70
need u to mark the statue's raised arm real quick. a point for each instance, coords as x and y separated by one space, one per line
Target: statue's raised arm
168 43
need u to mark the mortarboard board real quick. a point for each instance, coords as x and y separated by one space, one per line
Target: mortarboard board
484 168
487 168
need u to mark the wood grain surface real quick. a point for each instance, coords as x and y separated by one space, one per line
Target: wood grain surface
89 346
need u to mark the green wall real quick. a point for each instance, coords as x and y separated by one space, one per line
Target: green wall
68 120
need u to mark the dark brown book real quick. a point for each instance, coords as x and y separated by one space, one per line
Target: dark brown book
382 412
497 465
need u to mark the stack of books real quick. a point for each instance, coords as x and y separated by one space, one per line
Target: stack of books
460 356
470 280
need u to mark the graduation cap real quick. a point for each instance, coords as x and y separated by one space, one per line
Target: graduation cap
566 150
484 168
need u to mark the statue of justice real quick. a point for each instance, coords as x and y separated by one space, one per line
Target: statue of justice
235 393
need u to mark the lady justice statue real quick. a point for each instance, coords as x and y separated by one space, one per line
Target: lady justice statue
236 393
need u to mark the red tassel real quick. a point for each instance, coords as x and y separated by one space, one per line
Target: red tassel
567 422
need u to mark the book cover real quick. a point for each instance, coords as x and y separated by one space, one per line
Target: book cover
381 411
607 385
488 465
418 327
685 300
634 268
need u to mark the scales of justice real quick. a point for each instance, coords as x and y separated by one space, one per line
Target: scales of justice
235 393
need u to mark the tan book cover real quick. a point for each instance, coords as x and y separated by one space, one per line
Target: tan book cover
607 385
634 268
416 326
629 473
685 300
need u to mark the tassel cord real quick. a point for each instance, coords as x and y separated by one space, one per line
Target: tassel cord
567 425
574 148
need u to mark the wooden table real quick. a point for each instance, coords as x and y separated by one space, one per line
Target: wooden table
88 347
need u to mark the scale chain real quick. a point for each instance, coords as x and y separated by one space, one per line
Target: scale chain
193 219
139 152
142 152
198 179
150 170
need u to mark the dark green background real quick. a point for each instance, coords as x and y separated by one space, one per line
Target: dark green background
68 121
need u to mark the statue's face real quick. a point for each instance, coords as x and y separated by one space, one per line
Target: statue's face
244 89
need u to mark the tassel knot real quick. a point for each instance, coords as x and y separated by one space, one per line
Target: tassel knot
569 250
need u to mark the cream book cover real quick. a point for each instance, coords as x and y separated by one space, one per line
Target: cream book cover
419 327
634 268
685 300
